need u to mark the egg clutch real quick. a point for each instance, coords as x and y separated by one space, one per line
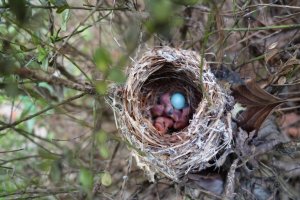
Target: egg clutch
171 112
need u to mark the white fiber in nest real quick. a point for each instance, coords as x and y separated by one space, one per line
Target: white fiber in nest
202 143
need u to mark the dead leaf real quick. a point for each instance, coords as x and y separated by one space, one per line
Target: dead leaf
283 70
273 45
281 80
270 56
259 104
288 66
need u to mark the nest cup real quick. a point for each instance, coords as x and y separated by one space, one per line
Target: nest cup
203 143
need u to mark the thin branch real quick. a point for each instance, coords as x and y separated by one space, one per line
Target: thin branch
81 23
275 6
288 108
41 112
47 191
288 26
72 7
58 50
10 151
18 159
33 75
21 131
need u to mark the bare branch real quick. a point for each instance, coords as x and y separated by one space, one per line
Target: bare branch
41 112
33 75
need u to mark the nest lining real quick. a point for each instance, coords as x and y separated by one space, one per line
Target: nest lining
203 142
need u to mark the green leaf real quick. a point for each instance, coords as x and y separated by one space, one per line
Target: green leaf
65 18
86 179
106 179
42 54
45 165
161 11
60 4
25 49
103 150
46 155
101 137
101 87
86 33
45 63
116 75
62 8
55 37
102 59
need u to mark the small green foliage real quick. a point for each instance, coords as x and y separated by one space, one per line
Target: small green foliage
161 10
162 18
101 87
47 155
86 33
45 165
102 59
42 53
104 151
106 179
101 137
116 75
65 15
86 179
102 144
24 48
60 4
43 57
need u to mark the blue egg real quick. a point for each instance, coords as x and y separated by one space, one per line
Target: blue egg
178 100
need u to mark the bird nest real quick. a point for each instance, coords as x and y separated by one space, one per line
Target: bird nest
204 142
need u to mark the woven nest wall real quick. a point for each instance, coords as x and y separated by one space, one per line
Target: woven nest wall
203 143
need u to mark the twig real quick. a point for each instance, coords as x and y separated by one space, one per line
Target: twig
276 6
47 191
288 26
18 159
41 112
65 73
57 50
33 75
74 30
72 7
230 183
288 108
113 155
32 140
10 151
288 147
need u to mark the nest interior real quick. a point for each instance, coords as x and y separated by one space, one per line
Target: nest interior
169 79
207 137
